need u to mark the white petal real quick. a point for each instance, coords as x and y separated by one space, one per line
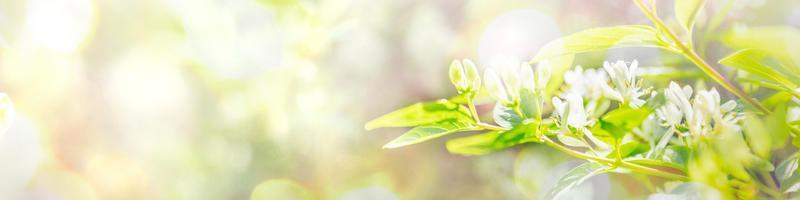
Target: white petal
526 77
495 87
728 106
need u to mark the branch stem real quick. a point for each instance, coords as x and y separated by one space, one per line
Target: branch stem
690 54
613 163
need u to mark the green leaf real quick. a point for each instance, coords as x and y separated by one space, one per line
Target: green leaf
760 164
623 120
558 67
781 42
573 178
530 102
787 174
787 168
572 141
599 39
492 141
686 11
428 132
764 135
630 149
678 155
688 190
750 60
422 114
505 116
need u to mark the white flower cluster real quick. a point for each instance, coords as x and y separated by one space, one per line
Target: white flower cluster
701 115
573 114
626 87
593 85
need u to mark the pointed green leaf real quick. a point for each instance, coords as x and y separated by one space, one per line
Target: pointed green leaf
573 178
787 175
422 114
686 11
428 132
623 120
767 133
678 155
781 42
599 39
750 60
492 141
630 149
787 168
505 116
530 103
688 190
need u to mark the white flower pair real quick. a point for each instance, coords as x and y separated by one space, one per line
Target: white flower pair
593 84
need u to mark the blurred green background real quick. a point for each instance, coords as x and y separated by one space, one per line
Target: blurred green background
239 99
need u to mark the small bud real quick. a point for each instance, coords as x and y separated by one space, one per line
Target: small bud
543 73
512 83
472 75
457 75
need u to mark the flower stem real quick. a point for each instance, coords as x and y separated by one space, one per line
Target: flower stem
613 163
690 54
472 110
490 127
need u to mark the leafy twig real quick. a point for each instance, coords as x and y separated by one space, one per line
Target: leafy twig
690 54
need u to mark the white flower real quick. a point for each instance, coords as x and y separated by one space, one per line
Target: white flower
496 87
708 114
588 83
503 80
703 113
534 81
626 88
526 77
680 98
670 114
571 112
507 77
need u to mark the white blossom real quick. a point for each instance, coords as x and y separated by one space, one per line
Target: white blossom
573 114
572 111
626 88
534 81
670 114
703 113
588 83
496 87
680 97
506 77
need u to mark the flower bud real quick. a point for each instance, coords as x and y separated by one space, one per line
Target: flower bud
543 73
464 75
472 75
457 76
526 77
495 87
